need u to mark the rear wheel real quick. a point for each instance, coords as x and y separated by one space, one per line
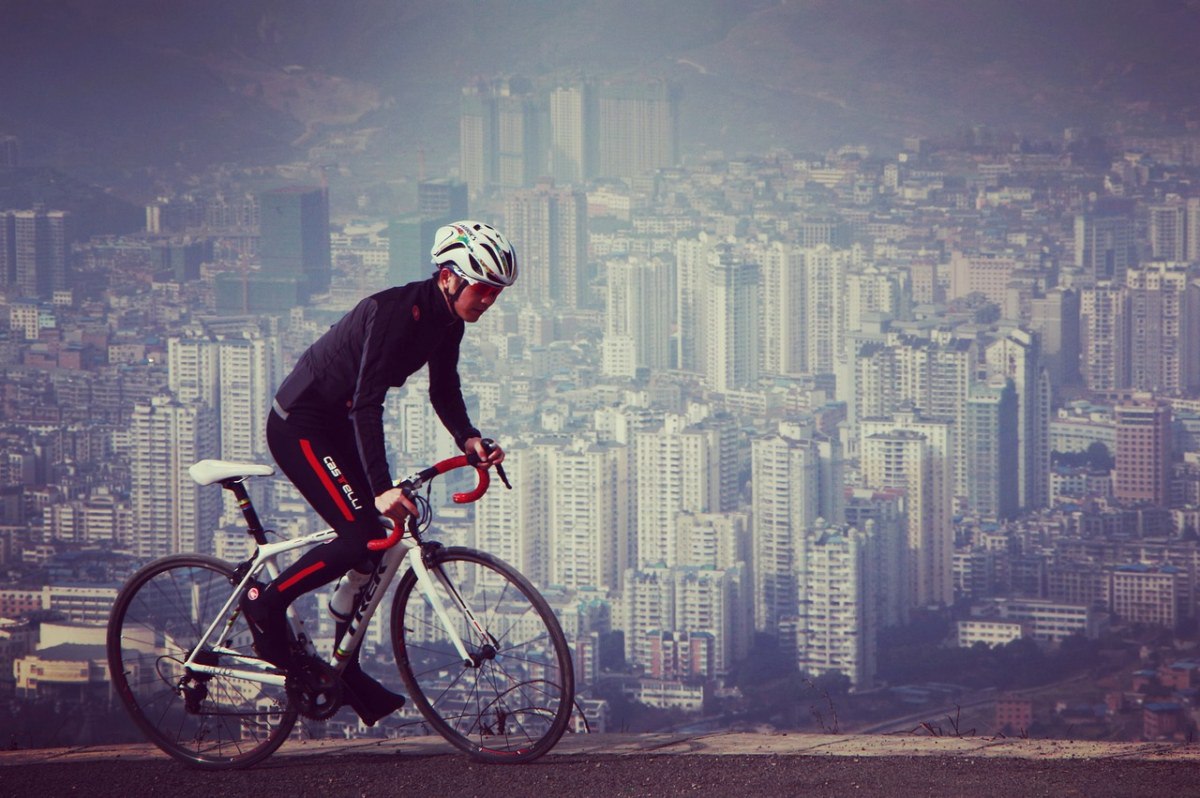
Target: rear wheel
513 700
211 721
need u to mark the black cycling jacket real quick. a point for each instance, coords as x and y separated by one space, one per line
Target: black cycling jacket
374 347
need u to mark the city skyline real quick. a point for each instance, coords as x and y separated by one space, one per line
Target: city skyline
809 395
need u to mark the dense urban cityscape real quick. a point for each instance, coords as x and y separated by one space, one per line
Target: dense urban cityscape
795 439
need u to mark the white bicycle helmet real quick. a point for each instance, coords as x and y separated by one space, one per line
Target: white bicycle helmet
476 252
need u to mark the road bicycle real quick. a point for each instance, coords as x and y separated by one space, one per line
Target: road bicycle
479 650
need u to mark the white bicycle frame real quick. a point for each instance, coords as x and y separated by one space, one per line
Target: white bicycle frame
257 670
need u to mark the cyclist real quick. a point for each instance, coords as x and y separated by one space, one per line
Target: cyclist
326 430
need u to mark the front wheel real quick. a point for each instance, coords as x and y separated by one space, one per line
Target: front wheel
512 701
211 721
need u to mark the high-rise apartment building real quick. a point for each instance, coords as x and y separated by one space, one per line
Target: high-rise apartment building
991 429
683 466
837 625
782 310
732 325
589 519
1143 451
520 156
171 513
1104 239
513 524
637 127
572 146
1167 230
35 251
1164 328
477 137
1192 230
638 314
691 270
235 375
1015 355
1054 316
913 454
500 140
881 513
548 227
1104 337
825 296
786 501
249 368
683 600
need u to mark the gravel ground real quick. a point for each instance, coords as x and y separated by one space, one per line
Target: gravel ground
345 775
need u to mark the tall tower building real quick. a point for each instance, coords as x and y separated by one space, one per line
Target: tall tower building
731 330
520 157
548 227
250 371
8 248
992 434
1164 328
1143 456
1104 239
589 517
638 314
1016 355
681 467
572 120
442 198
477 137
881 513
1104 337
1055 318
1192 231
913 454
837 624
171 513
785 482
38 251
192 368
825 297
294 237
783 311
691 273
513 524
1168 230
637 127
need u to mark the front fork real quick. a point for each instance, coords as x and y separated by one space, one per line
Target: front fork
428 579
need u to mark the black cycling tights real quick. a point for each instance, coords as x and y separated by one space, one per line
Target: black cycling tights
322 461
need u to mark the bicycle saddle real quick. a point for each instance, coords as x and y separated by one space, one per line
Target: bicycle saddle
206 472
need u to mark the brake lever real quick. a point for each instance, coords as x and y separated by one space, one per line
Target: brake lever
489 445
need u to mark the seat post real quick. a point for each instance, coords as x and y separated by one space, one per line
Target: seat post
254 526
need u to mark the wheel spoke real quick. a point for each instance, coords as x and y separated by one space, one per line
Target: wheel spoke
515 703
205 719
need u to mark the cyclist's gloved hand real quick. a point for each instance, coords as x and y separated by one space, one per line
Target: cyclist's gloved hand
488 451
395 504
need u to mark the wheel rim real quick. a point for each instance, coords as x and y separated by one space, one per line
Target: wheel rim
515 699
208 720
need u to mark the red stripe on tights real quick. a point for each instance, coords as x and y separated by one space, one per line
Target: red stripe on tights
306 447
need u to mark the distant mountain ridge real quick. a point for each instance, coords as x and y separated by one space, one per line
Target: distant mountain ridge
132 82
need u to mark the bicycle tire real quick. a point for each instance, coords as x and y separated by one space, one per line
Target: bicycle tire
212 722
515 704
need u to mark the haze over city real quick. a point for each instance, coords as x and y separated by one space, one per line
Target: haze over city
855 353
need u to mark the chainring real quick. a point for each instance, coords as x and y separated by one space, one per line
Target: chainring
314 688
